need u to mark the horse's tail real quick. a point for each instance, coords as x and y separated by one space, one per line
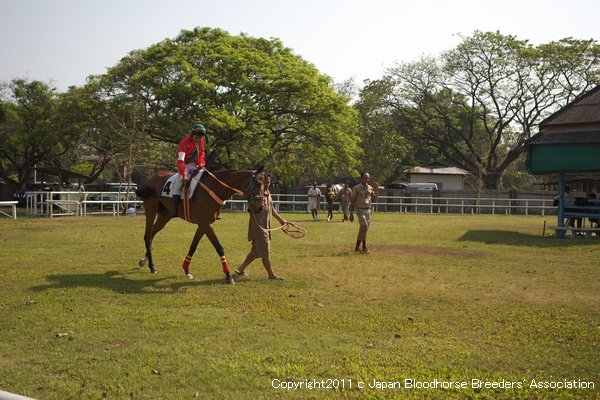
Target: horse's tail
146 192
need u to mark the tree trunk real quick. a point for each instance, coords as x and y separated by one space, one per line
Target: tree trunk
491 180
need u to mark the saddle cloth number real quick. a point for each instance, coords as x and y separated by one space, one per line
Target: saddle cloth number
166 189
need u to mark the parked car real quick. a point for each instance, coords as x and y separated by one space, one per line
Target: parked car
414 187
21 195
422 187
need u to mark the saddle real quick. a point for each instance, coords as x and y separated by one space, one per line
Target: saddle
190 186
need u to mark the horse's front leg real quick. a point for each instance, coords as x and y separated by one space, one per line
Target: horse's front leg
188 259
212 236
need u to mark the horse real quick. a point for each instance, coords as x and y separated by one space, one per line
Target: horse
201 208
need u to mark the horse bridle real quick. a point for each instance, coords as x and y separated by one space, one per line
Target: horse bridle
254 183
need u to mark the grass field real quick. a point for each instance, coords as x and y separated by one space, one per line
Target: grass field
476 307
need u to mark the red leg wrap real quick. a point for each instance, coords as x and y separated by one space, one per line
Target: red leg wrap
225 265
186 264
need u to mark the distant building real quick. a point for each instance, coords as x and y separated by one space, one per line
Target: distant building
444 176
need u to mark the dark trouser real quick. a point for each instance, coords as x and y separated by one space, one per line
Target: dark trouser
176 200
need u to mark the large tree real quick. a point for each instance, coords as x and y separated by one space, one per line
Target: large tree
31 132
113 134
385 150
480 102
260 103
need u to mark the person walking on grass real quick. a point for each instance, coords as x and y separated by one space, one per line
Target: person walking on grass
314 201
259 230
330 194
363 195
344 196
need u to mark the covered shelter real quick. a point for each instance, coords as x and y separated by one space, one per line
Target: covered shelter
64 176
444 176
568 142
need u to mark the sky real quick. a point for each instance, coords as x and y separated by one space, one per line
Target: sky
62 42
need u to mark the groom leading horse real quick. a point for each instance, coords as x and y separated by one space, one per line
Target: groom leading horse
202 202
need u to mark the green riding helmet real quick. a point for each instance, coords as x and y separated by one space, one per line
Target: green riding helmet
198 129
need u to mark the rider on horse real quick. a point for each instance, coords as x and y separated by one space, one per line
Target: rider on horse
190 156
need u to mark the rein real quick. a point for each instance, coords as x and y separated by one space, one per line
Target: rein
236 191
297 234
212 194
266 230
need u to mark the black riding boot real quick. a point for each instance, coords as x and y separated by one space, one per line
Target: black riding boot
176 198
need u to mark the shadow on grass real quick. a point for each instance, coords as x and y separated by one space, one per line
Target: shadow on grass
522 239
119 283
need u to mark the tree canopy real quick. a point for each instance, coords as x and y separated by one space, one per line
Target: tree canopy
479 103
260 103
31 131
473 107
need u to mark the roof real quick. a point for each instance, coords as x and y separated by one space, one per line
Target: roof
61 172
584 109
575 137
437 168
569 139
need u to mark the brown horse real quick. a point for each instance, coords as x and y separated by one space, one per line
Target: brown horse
201 208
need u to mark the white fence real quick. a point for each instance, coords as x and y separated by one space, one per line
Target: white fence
12 396
66 203
89 203
541 205
12 205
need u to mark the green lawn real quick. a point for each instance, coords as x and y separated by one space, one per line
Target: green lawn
476 306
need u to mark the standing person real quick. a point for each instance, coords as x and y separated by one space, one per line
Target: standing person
568 206
330 197
363 195
591 198
259 230
344 196
190 156
314 201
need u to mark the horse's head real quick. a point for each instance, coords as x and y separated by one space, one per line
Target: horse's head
255 193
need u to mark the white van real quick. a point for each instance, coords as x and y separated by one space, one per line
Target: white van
422 187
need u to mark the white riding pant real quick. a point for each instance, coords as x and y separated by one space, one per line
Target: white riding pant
177 184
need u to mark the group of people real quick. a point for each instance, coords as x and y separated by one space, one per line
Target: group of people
332 194
191 157
570 201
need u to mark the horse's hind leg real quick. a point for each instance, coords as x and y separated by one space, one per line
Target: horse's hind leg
212 236
150 209
152 228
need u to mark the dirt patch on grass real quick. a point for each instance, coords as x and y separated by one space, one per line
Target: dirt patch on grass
431 250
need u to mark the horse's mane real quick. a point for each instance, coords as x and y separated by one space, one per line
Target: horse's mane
229 171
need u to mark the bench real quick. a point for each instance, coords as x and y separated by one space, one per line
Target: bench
562 230
591 212
569 225
589 215
13 204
